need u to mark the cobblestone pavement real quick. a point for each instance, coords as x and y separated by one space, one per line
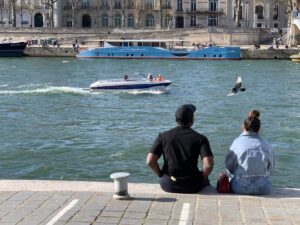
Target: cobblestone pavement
148 206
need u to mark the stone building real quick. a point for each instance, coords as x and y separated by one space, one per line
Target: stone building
252 14
117 13
146 14
28 13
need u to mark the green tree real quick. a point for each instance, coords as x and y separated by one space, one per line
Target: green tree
74 4
13 8
30 6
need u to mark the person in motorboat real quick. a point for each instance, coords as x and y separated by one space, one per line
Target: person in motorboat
150 77
181 148
159 78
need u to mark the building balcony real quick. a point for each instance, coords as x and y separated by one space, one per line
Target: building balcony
104 7
89 7
150 9
166 7
205 11
67 7
130 7
117 7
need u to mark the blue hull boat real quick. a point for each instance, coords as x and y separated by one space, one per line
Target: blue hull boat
154 49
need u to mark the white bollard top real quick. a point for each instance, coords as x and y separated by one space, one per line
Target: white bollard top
119 175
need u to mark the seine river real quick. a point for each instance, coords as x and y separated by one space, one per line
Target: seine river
52 127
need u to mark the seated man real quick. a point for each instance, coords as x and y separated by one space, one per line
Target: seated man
181 147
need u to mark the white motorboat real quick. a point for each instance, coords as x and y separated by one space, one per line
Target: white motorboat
129 84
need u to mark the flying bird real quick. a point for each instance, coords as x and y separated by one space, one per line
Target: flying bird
237 87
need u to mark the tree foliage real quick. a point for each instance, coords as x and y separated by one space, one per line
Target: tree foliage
51 5
237 8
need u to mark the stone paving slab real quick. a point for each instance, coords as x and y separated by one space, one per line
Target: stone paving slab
24 202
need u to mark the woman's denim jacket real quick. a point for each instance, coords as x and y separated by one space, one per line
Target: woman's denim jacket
250 159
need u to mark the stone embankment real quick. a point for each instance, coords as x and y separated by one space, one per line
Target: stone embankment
246 38
248 52
24 202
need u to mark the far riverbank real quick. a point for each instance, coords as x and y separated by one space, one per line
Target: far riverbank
248 52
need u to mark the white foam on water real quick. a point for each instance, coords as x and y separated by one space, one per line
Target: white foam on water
45 90
3 85
149 91
64 61
116 154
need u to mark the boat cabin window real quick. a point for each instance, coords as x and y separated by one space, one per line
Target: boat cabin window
152 44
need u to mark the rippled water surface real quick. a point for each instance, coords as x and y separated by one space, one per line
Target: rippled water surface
52 127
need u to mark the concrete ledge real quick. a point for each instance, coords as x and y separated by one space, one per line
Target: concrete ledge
89 186
92 186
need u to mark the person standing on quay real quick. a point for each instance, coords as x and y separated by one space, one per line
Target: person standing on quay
181 148
250 160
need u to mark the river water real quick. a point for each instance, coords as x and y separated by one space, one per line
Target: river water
52 127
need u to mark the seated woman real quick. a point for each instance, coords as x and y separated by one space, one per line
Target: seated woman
250 160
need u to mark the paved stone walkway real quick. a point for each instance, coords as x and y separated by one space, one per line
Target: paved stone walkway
85 203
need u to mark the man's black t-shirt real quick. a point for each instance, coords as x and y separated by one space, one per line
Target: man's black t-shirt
181 148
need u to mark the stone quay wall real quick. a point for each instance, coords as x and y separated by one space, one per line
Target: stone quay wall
247 52
245 38
219 36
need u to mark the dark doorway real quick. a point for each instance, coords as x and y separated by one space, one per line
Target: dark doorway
38 20
86 21
179 22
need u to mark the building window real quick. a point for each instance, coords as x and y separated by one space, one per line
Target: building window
259 11
168 4
193 5
213 5
276 12
85 4
130 4
118 4
149 4
104 21
69 23
130 21
168 21
212 21
149 21
241 13
1 4
193 21
118 21
179 5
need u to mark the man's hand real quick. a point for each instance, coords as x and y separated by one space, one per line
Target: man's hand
152 163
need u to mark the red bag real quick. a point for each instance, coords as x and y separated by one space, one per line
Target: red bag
223 184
